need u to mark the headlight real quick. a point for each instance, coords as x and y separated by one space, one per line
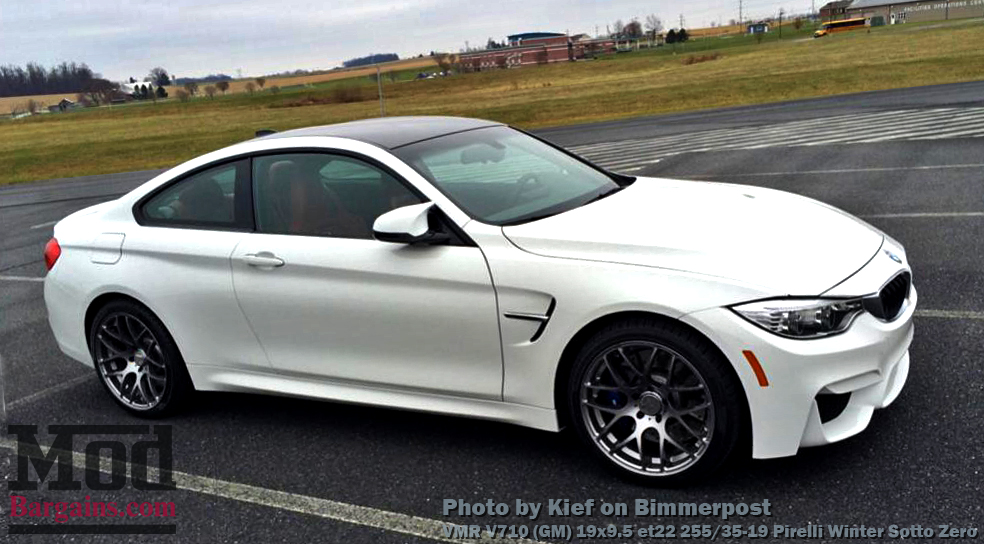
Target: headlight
798 318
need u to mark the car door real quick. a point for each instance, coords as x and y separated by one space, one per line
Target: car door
177 261
325 299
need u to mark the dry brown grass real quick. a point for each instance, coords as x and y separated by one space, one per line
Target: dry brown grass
239 85
697 59
715 31
8 103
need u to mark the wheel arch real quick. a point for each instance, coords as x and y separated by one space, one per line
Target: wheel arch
574 345
105 298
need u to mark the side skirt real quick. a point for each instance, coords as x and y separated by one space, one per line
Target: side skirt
212 378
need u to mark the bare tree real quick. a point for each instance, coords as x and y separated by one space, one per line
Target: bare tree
182 95
191 87
798 23
33 106
618 29
654 25
446 61
210 91
275 89
250 87
633 30
159 77
261 81
222 86
101 91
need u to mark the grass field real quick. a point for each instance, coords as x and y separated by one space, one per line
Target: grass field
108 140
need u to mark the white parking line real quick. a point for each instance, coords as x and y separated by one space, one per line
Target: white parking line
21 278
364 516
844 170
42 225
866 127
49 391
950 314
921 214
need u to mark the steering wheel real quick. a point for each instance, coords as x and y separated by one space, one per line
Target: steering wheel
525 184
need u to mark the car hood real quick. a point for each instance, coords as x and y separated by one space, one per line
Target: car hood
772 239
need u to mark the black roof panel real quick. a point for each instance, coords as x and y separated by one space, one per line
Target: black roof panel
390 132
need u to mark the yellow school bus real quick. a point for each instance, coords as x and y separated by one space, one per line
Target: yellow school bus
838 26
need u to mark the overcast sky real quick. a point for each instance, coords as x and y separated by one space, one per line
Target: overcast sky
190 38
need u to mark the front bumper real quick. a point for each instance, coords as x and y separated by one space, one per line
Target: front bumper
870 361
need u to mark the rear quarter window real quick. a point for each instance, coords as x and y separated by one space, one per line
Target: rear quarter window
213 197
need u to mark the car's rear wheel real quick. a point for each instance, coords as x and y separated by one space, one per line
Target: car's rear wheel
655 401
136 359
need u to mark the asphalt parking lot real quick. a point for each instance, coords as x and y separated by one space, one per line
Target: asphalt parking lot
294 467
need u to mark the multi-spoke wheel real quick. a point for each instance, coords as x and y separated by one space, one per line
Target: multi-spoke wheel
655 401
136 359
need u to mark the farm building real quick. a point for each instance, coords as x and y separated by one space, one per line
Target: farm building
131 88
536 48
758 28
897 12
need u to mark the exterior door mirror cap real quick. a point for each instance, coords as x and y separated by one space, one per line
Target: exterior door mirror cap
410 225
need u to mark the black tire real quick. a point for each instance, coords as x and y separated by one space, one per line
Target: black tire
677 408
110 352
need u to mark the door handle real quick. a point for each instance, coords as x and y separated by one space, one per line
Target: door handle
263 259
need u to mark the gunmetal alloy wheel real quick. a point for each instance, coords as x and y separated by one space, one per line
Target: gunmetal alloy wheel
655 401
137 360
130 361
647 408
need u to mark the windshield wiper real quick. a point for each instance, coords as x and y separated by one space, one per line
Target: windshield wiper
529 218
600 196
555 210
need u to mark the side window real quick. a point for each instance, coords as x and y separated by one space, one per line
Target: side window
320 194
216 197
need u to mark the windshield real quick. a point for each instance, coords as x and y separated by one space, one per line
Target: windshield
501 176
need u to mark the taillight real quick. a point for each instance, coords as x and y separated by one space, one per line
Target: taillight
51 253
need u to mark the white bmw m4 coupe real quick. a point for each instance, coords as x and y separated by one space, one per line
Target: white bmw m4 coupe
464 267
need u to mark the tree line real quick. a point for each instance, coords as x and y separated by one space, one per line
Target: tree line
371 59
67 77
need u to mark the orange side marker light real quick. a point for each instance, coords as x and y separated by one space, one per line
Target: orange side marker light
756 368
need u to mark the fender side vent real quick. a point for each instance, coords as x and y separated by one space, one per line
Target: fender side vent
541 319
543 324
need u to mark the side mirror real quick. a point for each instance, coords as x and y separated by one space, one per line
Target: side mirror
409 225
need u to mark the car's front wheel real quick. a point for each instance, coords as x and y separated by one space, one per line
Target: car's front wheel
136 359
655 401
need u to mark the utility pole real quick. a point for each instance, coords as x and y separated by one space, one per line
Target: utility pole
681 20
741 24
780 23
379 85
